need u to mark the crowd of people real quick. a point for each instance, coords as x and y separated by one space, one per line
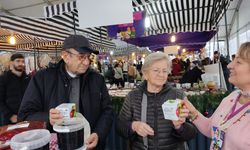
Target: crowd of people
118 75
141 118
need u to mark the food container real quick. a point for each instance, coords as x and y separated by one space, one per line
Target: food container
68 110
37 139
171 109
72 132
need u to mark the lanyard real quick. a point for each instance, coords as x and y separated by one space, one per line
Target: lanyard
233 112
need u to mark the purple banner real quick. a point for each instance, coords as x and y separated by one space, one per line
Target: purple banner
127 31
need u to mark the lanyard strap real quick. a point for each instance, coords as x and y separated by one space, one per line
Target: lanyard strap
233 112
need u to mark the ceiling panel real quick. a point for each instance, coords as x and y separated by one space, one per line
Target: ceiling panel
37 11
26 8
54 2
14 4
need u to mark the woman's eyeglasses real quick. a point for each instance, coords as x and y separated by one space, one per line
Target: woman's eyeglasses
158 71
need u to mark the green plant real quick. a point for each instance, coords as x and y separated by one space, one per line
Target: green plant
204 102
207 101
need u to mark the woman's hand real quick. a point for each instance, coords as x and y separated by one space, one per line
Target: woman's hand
183 114
193 112
142 128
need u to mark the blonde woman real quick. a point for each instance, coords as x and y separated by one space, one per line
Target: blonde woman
230 124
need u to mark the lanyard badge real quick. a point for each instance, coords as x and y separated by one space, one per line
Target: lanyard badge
218 138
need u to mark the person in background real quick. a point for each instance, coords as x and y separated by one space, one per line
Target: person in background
233 57
187 65
216 58
224 61
176 67
13 84
193 75
118 75
138 67
131 73
125 70
150 130
99 66
229 125
71 81
44 61
110 74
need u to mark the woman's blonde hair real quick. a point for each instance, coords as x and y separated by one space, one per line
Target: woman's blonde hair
244 51
152 58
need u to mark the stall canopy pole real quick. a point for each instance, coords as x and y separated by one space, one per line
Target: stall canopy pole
209 49
227 40
100 30
74 23
56 52
217 36
34 47
214 49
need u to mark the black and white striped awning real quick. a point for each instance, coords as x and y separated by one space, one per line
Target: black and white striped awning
60 9
168 16
6 46
24 41
56 29
67 14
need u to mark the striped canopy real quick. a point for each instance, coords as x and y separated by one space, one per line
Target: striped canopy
52 29
166 16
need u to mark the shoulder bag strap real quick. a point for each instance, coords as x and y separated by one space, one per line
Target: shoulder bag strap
144 116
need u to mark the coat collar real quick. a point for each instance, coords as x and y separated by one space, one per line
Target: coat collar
143 88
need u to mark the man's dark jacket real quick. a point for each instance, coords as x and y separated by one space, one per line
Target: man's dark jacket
12 88
51 87
166 137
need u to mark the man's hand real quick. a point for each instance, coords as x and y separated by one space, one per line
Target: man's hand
92 141
54 116
142 128
13 119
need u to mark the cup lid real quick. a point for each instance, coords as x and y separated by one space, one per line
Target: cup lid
31 139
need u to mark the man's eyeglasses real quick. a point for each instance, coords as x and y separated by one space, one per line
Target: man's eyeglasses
80 56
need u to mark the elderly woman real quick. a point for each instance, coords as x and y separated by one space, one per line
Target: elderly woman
230 124
141 118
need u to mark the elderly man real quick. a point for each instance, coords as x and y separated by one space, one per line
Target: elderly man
72 81
12 87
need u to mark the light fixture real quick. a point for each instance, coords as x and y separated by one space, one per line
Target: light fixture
12 40
173 38
184 50
178 47
147 22
133 54
143 55
111 52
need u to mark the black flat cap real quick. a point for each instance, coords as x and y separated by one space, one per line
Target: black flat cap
79 43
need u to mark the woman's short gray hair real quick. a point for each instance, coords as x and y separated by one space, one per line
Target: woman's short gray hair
152 58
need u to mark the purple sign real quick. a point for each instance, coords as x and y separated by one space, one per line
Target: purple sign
127 31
